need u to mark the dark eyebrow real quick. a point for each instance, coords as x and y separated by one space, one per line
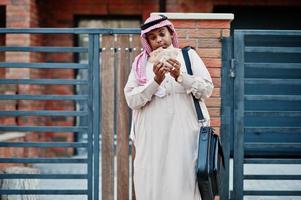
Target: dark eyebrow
149 34
161 29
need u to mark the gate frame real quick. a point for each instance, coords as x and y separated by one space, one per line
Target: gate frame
234 67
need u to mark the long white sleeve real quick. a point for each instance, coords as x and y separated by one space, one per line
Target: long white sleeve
200 83
137 96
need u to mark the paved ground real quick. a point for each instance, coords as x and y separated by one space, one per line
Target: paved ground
248 185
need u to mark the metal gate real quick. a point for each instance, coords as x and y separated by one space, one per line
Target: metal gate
92 99
262 105
114 127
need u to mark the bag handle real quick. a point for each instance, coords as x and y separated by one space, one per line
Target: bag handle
189 71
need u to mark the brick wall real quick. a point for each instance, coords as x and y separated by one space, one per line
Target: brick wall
25 14
20 14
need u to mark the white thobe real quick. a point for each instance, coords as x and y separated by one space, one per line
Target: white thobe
165 131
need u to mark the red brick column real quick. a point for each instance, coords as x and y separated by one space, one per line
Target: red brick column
23 14
204 32
28 14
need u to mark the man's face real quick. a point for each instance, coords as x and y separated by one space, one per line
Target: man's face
160 37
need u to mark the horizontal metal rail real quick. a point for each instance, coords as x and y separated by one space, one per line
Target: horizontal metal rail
40 65
272 145
70 30
44 81
44 144
49 192
272 113
274 97
271 193
272 81
271 161
42 113
273 49
43 160
283 33
272 177
43 176
274 65
44 97
45 128
273 129
44 49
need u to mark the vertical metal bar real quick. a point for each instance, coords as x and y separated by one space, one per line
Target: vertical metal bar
96 113
226 114
238 116
231 110
90 117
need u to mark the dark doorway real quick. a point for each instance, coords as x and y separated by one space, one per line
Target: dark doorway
2 16
263 17
2 36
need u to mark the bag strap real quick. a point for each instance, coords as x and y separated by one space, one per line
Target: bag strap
189 71
196 102
221 152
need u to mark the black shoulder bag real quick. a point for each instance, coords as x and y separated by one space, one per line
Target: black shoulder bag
210 152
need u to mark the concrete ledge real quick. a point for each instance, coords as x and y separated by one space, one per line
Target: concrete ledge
11 136
207 16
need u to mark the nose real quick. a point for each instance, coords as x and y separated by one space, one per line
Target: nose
159 40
